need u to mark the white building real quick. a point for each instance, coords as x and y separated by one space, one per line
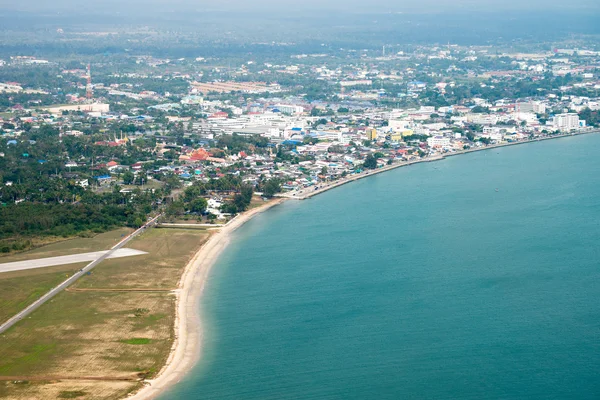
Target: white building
398 124
438 141
289 109
531 107
482 119
362 82
74 133
566 122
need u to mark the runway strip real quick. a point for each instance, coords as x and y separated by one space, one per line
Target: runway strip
63 260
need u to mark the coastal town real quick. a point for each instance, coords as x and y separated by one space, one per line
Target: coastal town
170 155
169 125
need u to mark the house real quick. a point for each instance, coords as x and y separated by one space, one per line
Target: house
219 115
104 179
214 207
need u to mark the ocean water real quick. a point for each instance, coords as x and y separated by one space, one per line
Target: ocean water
421 283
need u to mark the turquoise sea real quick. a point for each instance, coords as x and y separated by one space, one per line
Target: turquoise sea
421 283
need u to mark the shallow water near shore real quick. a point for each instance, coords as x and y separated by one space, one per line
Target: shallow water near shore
476 277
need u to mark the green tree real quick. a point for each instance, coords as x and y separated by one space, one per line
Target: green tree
175 209
198 205
128 177
370 162
272 187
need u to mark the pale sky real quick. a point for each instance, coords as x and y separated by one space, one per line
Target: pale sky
146 6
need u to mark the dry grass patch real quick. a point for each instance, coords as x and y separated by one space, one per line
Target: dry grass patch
102 333
88 334
83 390
21 288
169 251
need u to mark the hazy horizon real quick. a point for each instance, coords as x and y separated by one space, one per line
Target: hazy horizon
372 6
339 23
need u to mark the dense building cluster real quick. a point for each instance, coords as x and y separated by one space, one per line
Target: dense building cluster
141 136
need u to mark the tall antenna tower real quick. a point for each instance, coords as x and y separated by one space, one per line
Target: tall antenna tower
88 89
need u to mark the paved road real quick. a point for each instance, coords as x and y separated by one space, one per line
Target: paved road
35 305
175 225
64 260
309 192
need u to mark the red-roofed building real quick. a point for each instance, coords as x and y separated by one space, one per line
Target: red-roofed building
219 115
199 155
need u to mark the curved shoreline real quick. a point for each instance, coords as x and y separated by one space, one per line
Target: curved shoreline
307 193
187 346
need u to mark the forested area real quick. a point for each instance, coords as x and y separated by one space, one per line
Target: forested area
41 197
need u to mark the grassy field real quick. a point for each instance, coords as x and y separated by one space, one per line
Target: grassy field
168 252
102 241
20 288
114 325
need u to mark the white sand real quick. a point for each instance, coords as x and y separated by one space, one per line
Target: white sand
188 327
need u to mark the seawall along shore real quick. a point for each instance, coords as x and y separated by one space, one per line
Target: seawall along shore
309 192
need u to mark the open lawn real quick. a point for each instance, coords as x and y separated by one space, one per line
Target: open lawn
116 325
21 288
168 250
61 389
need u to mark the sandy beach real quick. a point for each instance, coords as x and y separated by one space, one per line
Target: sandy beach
187 346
